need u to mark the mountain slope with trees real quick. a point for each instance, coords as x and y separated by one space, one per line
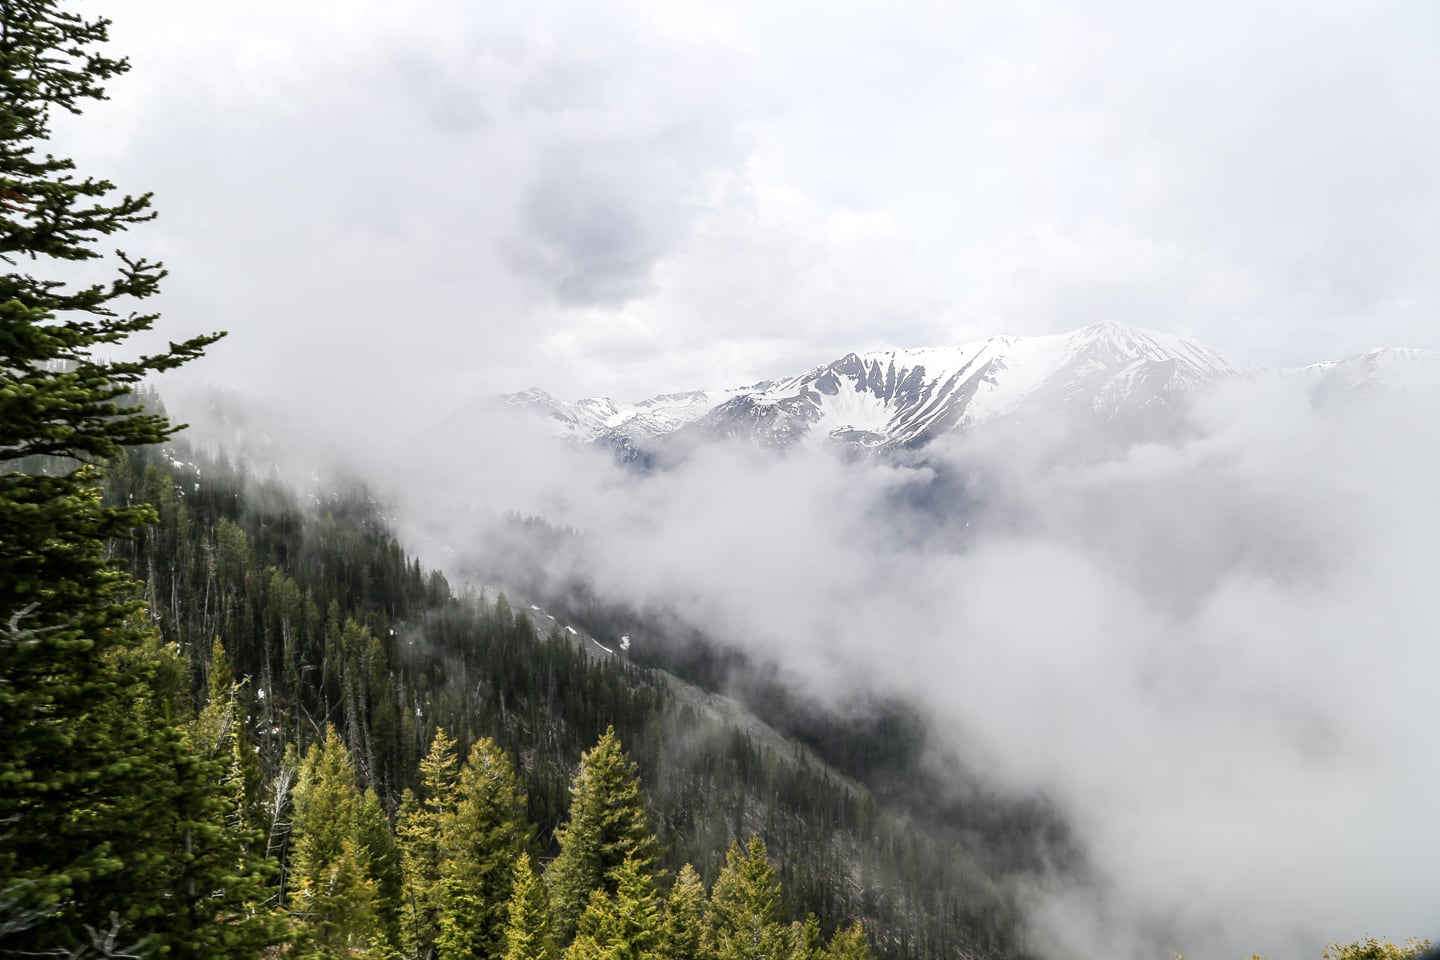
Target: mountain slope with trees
336 634
237 727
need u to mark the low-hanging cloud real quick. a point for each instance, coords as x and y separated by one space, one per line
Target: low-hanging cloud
1214 654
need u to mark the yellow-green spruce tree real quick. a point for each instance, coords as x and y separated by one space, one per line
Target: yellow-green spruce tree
684 924
528 934
625 925
607 826
480 840
420 826
744 917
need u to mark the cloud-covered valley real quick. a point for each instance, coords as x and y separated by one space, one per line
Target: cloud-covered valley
1215 655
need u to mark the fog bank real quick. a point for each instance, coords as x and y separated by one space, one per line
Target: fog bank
1213 654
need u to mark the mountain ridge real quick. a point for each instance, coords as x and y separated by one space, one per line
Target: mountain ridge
904 399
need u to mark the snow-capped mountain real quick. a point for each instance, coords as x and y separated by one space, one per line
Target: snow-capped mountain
1383 368
596 417
1134 379
907 398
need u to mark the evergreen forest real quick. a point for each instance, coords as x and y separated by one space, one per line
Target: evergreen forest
236 722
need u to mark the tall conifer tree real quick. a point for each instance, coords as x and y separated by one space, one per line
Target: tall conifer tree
481 840
528 933
607 826
851 943
744 921
335 895
420 828
381 856
622 926
684 923
80 746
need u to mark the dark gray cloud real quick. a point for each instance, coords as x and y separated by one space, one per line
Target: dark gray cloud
595 226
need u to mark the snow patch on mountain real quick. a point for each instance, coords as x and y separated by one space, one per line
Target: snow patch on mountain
1105 372
910 397
1377 369
594 417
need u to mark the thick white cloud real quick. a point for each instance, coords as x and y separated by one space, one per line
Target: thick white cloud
1217 656
630 197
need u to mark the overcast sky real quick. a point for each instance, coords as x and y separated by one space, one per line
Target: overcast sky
625 198
394 207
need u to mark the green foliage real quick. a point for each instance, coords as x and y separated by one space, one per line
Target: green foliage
527 929
625 925
113 813
744 920
684 925
379 851
326 802
222 730
336 896
340 911
849 944
607 827
804 940
481 839
421 826
1375 948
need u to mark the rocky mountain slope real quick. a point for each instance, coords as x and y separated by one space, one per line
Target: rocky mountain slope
907 398
1134 379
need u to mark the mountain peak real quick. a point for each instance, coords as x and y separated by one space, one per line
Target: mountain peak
1105 371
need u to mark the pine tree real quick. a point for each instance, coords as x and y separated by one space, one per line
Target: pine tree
622 926
850 943
380 854
223 731
335 896
71 763
684 925
326 800
607 826
481 840
215 908
527 930
420 829
341 913
744 922
805 941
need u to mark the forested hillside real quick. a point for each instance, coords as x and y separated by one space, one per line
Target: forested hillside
240 721
312 630
881 741
235 724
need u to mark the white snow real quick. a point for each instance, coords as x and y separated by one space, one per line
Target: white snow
589 418
852 409
625 643
998 376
